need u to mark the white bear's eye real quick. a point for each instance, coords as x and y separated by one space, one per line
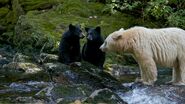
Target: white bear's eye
105 43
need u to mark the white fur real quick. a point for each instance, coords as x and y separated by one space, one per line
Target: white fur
165 47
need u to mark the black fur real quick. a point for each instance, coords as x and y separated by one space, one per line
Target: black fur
91 52
69 48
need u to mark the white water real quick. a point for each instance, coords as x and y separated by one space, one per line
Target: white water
152 95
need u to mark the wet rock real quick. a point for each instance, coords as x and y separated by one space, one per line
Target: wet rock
82 74
61 73
104 96
18 87
78 94
130 73
30 100
19 92
70 93
119 70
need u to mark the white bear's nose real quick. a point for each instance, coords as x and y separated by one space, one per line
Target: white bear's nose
102 48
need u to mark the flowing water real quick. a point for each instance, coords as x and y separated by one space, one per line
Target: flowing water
163 94
160 93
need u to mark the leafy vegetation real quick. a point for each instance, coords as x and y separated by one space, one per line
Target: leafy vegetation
168 12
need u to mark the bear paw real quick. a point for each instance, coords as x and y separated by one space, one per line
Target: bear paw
148 83
139 80
170 82
179 83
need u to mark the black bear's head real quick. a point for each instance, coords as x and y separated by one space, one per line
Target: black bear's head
93 34
76 31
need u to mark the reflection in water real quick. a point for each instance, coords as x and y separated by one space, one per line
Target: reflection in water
164 94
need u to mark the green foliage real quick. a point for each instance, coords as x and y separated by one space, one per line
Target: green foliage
125 5
177 19
167 12
158 9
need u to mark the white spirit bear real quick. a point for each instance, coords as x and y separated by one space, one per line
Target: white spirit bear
151 47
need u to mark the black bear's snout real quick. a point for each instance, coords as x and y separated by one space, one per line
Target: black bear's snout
89 37
82 35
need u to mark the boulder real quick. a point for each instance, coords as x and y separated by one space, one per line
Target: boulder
16 71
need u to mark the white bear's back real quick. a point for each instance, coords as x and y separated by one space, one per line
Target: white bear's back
165 45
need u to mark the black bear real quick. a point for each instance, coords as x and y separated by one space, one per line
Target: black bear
91 52
69 48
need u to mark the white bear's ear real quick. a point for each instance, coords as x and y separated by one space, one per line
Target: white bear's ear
116 36
121 29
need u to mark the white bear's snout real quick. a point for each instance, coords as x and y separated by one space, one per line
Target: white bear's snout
102 48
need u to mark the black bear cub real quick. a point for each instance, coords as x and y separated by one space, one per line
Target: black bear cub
69 48
91 52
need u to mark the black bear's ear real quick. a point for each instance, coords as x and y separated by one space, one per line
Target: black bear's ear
98 29
86 29
71 27
79 26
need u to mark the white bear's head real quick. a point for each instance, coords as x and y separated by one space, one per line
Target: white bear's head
112 42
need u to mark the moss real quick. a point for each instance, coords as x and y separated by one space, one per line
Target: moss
4 1
17 10
38 4
3 11
10 17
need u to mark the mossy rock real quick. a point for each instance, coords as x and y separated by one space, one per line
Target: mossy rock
17 71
